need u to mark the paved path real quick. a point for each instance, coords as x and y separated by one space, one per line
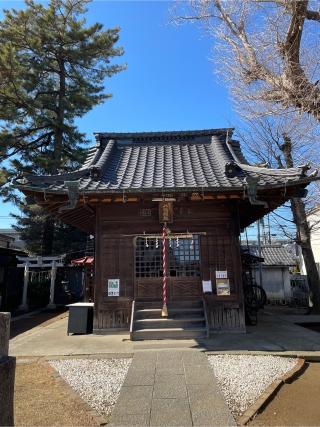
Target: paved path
275 332
170 388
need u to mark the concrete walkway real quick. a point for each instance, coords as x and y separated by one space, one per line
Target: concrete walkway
275 333
170 388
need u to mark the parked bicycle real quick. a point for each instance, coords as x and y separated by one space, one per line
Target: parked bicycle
255 298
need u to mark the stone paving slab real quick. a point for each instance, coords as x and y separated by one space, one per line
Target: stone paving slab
132 420
170 390
178 388
133 406
170 412
139 378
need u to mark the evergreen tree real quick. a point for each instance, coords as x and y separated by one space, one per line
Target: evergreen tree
32 226
52 70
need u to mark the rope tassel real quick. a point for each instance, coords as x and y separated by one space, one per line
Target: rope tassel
164 312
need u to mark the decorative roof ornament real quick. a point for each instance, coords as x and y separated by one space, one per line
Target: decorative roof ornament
73 194
233 170
21 179
313 174
305 168
95 172
251 185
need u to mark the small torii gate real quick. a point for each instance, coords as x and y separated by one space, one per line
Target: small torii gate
39 262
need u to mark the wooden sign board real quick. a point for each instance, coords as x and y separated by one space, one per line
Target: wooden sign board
165 212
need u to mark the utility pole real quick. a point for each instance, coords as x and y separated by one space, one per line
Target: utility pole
264 236
259 251
269 232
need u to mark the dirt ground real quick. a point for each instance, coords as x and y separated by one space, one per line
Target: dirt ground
43 399
296 404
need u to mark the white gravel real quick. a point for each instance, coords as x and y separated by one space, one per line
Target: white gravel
97 381
242 379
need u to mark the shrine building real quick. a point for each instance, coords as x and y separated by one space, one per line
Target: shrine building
166 210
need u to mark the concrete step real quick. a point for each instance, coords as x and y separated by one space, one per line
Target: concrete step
153 313
185 304
172 333
163 322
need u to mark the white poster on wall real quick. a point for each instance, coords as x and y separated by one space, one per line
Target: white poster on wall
223 287
206 286
113 287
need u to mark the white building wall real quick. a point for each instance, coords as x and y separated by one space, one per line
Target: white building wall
275 282
314 221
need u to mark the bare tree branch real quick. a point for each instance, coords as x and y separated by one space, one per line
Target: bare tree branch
268 52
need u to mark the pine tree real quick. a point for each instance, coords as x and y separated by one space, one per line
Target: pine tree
52 71
32 226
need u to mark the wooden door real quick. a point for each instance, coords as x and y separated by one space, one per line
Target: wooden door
184 273
183 268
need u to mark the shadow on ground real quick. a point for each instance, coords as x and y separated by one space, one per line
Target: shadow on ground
32 320
277 331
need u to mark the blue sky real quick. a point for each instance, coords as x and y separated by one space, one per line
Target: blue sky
169 83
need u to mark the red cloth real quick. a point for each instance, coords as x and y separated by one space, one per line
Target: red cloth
87 260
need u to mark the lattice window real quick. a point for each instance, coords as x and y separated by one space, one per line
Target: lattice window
184 257
145 212
148 258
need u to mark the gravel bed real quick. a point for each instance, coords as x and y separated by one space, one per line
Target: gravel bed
242 379
97 381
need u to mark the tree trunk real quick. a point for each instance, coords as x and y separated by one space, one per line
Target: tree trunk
48 236
58 143
49 225
303 233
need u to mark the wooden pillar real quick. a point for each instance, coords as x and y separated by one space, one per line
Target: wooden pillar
52 284
24 303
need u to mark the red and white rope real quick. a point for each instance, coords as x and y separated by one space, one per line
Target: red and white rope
164 268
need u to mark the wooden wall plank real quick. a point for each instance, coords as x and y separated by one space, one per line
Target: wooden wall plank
116 225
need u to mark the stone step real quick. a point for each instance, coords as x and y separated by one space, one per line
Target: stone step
163 322
140 305
152 313
172 333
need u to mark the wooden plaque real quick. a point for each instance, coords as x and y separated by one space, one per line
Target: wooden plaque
165 212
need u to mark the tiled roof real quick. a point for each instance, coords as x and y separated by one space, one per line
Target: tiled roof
174 161
273 255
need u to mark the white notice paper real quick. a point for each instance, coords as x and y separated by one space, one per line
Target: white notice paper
113 287
221 274
206 286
